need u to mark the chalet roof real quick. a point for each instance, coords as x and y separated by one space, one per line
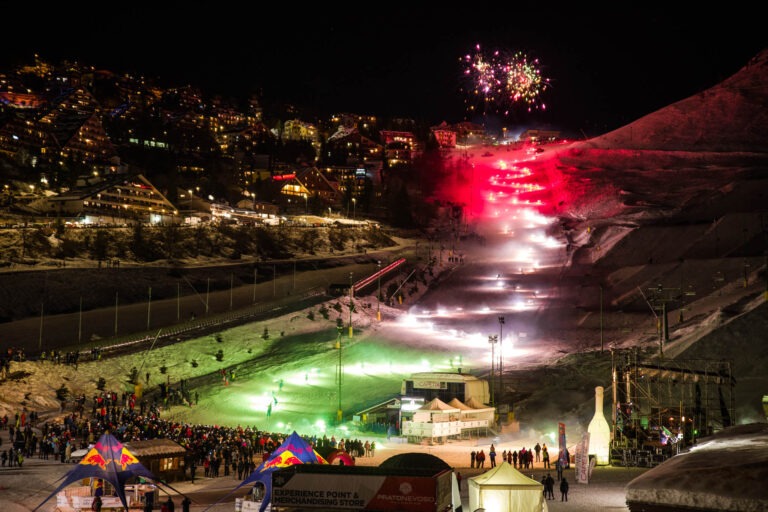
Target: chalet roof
155 447
314 181
392 403
68 112
342 132
90 187
444 376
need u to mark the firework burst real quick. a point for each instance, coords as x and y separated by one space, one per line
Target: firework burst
500 80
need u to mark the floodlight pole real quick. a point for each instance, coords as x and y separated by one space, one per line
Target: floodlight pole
351 305
501 360
339 373
378 295
149 306
492 339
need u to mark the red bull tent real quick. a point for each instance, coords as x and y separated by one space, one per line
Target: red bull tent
294 450
110 461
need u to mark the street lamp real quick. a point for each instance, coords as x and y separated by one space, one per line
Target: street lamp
339 373
306 203
501 360
354 207
492 339
378 295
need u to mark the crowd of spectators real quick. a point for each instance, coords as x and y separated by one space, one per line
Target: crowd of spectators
55 356
219 450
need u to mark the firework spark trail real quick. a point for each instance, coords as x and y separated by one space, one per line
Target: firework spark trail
503 79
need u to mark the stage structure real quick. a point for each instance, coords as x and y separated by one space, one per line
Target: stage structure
661 406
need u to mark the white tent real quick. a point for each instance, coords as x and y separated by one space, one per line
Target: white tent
435 419
505 489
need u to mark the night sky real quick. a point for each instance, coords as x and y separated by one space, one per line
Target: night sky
606 68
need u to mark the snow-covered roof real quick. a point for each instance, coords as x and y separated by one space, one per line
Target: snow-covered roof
727 471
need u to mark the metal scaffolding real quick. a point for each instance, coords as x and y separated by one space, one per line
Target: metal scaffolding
660 406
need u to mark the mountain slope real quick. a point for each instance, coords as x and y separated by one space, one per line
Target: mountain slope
729 117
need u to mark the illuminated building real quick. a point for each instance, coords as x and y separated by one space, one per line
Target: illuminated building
444 135
307 187
399 147
71 130
118 199
348 147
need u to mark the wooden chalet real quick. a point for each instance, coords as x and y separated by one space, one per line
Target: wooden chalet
163 457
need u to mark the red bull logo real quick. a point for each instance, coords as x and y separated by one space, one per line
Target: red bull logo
290 461
127 459
94 458
292 454
278 460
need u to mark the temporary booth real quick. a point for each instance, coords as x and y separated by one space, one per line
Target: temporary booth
435 421
505 489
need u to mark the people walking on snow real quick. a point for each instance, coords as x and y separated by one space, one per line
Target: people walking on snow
480 459
549 487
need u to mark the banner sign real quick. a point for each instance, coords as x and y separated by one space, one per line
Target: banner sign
563 456
429 384
582 459
356 492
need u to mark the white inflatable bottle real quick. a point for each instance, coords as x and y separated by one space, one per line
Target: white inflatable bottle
599 432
